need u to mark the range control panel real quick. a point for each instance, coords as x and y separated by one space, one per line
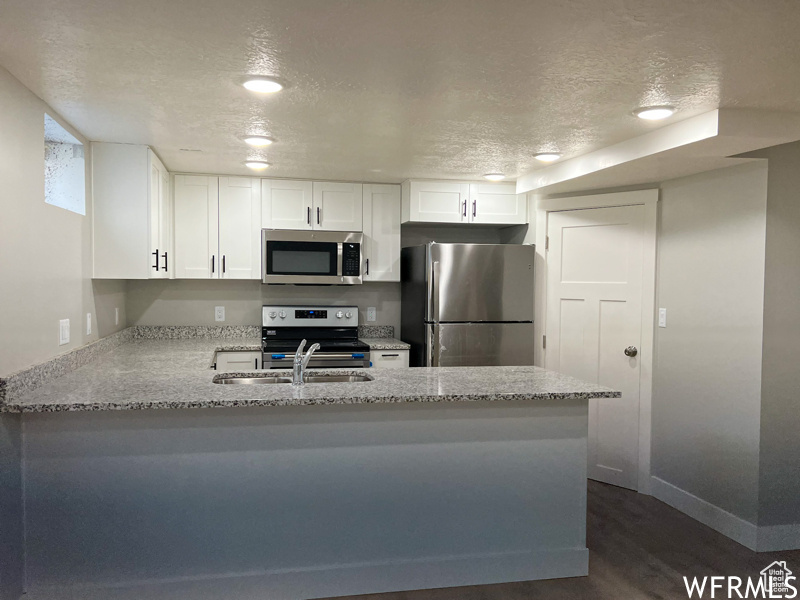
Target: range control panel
351 259
309 316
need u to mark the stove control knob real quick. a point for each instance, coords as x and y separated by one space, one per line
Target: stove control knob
282 314
339 315
348 314
272 314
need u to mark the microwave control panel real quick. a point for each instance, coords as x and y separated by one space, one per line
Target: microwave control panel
351 259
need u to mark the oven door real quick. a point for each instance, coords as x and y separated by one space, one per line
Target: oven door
297 257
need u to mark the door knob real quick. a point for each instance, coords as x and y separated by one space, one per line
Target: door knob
631 351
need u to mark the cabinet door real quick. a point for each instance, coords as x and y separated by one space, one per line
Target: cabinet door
496 203
437 202
381 232
337 206
196 227
240 227
286 204
389 359
238 361
159 234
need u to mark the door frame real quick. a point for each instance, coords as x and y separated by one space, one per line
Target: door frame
649 199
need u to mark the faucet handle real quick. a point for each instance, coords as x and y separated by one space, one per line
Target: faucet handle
299 352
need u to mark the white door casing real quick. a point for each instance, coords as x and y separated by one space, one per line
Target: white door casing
599 286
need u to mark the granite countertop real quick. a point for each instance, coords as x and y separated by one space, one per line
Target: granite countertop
174 373
385 343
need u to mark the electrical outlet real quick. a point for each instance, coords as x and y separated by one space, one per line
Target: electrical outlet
372 314
219 313
63 332
662 317
88 323
116 316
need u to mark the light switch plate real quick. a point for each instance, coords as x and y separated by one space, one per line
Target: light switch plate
63 332
219 313
662 317
372 314
88 323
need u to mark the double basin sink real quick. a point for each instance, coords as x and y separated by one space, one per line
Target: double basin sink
267 379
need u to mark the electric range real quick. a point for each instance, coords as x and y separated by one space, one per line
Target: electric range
334 328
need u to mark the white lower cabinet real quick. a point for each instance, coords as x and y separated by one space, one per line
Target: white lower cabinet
381 251
389 359
217 227
238 361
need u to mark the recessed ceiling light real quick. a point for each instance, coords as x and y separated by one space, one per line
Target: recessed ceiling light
654 113
494 176
257 164
258 140
263 85
547 156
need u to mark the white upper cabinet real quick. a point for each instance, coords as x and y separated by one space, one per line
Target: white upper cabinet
240 227
320 205
337 206
217 227
381 252
461 202
286 204
497 203
196 227
131 222
435 202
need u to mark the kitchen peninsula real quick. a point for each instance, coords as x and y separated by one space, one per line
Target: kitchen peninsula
417 478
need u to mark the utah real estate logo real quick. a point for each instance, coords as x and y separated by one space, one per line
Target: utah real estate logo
776 581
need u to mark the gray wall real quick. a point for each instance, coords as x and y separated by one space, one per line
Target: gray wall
11 513
780 385
44 250
707 374
192 301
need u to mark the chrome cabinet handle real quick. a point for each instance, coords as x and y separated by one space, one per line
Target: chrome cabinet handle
155 266
631 351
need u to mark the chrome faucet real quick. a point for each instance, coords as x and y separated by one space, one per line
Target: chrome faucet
301 362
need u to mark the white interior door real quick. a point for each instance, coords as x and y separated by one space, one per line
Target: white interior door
594 312
240 227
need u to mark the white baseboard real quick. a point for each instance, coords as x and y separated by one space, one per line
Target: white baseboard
728 524
774 538
343 580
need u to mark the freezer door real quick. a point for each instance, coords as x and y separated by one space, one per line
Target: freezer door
480 282
480 344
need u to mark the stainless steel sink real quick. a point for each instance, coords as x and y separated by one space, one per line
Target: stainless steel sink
251 380
337 378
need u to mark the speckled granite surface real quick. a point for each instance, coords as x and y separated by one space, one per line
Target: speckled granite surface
185 332
375 331
173 373
382 343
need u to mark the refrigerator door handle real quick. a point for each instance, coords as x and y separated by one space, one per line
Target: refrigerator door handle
433 360
433 290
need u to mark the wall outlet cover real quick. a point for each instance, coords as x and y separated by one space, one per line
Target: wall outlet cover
219 313
662 317
88 323
372 314
63 332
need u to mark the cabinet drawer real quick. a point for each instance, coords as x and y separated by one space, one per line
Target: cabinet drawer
390 359
238 361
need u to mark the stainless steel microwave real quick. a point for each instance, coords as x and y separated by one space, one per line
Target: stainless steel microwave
311 257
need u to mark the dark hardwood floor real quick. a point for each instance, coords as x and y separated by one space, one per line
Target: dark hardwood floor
640 548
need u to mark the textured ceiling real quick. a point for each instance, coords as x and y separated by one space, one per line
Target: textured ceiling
382 90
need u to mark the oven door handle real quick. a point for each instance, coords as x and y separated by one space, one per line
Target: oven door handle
318 356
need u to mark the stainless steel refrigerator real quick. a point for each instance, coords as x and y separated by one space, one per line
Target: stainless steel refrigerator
467 304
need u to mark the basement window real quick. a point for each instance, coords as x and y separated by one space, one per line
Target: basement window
64 168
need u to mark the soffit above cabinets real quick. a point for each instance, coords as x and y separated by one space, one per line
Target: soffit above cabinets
387 91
